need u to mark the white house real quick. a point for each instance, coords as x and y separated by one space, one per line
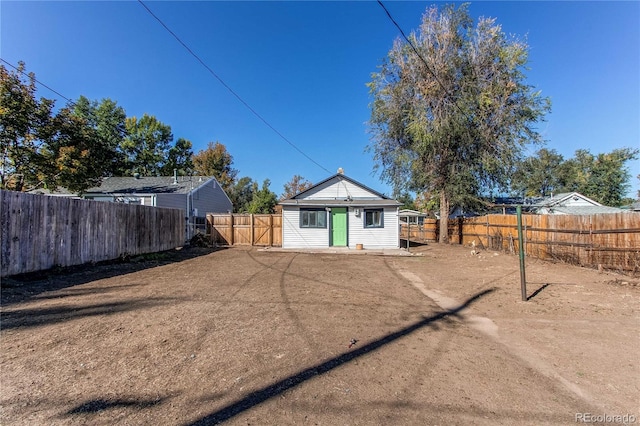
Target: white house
572 203
340 212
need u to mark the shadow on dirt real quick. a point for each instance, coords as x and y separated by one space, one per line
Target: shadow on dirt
97 405
19 288
262 395
46 316
535 293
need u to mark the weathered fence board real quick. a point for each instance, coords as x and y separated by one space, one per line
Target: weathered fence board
40 231
609 241
245 229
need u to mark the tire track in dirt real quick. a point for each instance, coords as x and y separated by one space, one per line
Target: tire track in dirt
515 347
207 326
383 295
304 333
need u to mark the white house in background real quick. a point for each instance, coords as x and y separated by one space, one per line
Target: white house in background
195 195
340 212
572 203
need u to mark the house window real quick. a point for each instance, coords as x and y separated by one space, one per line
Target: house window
313 218
373 219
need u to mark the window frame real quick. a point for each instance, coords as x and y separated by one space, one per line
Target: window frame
317 211
374 226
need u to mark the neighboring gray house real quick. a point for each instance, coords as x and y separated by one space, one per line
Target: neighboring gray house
197 195
572 203
340 212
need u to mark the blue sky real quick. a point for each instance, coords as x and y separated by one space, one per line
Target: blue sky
303 66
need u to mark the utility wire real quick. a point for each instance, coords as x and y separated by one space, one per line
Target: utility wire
37 81
423 60
230 89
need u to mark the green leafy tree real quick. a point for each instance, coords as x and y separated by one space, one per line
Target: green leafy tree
43 149
264 200
539 175
107 120
241 194
72 155
23 120
217 162
296 185
603 177
146 146
179 159
407 200
457 117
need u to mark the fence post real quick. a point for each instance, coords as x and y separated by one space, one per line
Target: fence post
251 229
523 280
231 229
270 233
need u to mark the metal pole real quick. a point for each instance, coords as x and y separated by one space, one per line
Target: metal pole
523 280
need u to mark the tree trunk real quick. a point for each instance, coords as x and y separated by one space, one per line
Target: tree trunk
444 218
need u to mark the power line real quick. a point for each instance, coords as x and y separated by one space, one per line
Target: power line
37 81
192 53
422 59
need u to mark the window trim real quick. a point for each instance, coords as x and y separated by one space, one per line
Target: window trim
316 210
366 211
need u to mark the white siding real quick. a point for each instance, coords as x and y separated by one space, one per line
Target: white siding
295 237
338 189
374 238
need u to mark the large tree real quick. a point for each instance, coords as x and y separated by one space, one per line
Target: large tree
264 200
241 194
146 145
216 161
179 159
23 120
603 177
296 185
73 148
540 174
107 120
453 115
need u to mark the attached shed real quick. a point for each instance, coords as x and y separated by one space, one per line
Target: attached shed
340 212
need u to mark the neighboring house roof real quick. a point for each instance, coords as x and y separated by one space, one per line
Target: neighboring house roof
58 192
572 203
373 198
411 213
566 199
149 185
635 206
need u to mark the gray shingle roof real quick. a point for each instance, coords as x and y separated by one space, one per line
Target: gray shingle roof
149 185
328 203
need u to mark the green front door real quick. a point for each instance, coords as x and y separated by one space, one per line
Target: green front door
339 226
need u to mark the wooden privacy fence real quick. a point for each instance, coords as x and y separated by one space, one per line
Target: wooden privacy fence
40 231
245 229
604 240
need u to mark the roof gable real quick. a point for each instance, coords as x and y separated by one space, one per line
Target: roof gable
568 199
339 187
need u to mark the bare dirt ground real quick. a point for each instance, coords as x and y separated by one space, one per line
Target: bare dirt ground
244 336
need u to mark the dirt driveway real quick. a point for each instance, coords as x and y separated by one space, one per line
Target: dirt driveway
261 337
